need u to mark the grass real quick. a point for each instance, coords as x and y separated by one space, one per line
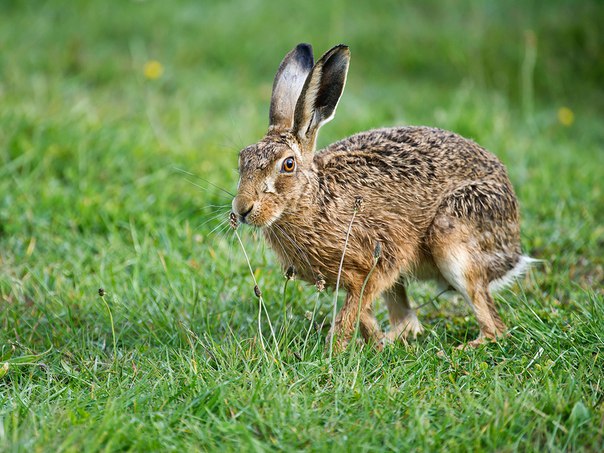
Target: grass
92 196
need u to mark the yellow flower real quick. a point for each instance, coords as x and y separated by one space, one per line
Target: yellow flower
566 117
153 70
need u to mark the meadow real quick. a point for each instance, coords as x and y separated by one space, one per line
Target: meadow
120 124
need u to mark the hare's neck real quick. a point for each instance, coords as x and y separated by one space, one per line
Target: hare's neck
302 210
291 236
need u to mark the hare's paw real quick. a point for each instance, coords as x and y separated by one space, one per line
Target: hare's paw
483 339
475 343
408 327
340 341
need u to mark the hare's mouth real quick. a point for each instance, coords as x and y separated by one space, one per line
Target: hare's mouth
257 215
261 220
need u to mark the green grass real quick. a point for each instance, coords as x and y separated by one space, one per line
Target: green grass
92 195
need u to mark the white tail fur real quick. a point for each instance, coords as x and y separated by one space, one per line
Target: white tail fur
523 265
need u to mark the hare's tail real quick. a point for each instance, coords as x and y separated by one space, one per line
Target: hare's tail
523 265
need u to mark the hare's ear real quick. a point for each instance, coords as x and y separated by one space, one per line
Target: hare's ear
287 86
320 94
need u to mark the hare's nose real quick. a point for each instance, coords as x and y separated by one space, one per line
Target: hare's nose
244 214
242 207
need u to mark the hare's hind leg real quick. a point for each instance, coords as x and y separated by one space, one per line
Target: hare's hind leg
474 240
465 271
403 319
369 326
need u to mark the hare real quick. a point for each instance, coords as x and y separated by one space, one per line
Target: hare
434 204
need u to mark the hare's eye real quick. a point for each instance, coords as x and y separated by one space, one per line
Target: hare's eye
289 165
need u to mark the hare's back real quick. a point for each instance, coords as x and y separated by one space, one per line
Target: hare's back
419 155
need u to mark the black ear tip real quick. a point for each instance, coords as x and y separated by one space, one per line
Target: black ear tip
338 56
340 53
303 53
304 47
342 48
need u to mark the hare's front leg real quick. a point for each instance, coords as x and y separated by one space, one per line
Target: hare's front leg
354 311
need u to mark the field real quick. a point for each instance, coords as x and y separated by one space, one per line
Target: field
119 119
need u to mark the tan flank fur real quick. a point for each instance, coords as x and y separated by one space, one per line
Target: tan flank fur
440 206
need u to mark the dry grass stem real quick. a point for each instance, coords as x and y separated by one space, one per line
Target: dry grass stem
357 206
258 293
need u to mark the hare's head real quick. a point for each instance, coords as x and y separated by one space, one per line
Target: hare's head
275 172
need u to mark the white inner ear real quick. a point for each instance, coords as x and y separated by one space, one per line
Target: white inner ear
309 102
287 87
287 91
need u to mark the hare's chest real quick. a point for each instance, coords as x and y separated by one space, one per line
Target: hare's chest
313 255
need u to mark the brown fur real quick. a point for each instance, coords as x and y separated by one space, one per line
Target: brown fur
441 207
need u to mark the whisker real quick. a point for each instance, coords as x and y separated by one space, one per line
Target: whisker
220 225
215 208
298 250
204 180
279 242
220 212
205 189
216 213
280 234
228 205
224 233
217 216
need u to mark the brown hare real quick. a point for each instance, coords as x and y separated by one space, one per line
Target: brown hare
439 206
